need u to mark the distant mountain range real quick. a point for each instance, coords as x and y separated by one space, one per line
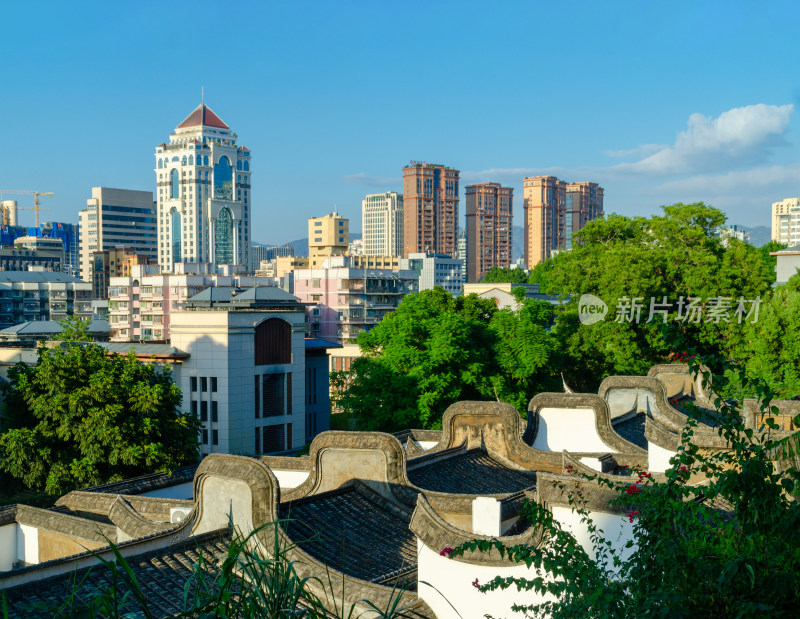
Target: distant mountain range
759 235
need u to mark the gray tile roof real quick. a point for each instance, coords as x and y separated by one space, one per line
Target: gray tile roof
470 472
139 348
354 534
50 327
162 575
147 483
632 429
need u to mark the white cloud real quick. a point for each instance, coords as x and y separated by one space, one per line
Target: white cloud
742 135
645 150
372 181
733 182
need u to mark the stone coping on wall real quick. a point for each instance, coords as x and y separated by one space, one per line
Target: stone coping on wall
570 490
287 463
437 534
66 524
602 419
156 509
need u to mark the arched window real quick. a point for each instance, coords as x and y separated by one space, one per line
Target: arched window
191 160
176 235
239 164
223 238
160 164
273 342
174 181
246 166
183 161
223 181
205 160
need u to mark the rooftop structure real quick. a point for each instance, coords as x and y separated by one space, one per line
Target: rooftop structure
391 502
204 200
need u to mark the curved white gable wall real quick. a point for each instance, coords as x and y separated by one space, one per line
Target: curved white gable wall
572 429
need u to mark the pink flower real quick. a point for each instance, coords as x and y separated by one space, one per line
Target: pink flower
446 552
683 469
476 584
632 490
631 515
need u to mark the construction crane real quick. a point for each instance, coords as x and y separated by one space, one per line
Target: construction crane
35 195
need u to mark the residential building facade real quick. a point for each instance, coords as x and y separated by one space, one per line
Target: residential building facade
584 202
42 295
430 209
204 200
116 218
44 246
786 221
435 270
115 262
327 236
382 224
349 300
554 212
141 304
545 201
21 259
489 220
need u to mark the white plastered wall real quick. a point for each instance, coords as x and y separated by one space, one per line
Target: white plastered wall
290 479
8 546
658 458
616 528
573 429
28 544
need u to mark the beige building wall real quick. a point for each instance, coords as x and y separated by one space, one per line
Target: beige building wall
786 221
545 199
327 236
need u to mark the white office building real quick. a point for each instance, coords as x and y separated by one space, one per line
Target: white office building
786 221
203 198
436 270
382 224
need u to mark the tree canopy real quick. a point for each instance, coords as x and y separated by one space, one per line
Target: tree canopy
497 275
81 417
435 350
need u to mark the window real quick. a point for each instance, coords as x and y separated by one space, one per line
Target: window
273 342
213 384
204 384
288 436
214 411
223 180
289 393
193 381
203 411
258 441
174 184
258 395
272 391
273 438
214 437
205 436
194 408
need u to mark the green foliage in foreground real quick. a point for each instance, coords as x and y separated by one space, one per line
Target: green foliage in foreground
692 559
81 417
435 350
515 275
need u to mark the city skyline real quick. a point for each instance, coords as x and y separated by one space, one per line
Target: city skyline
665 109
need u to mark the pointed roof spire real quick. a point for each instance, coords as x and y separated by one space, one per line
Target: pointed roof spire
203 116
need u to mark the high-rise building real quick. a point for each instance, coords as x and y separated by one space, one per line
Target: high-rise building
462 252
327 236
204 200
430 209
786 221
554 212
545 200
489 213
116 218
584 202
382 224
435 270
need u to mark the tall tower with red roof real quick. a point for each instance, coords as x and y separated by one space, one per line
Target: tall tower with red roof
203 196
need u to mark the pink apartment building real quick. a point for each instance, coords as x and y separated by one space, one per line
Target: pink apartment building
349 300
139 305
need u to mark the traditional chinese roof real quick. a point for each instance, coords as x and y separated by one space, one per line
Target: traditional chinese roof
470 472
331 528
203 116
161 574
632 429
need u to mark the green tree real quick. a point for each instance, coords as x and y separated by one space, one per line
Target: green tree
435 350
674 255
497 275
81 417
74 329
771 261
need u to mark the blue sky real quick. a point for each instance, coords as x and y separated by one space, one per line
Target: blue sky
658 102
